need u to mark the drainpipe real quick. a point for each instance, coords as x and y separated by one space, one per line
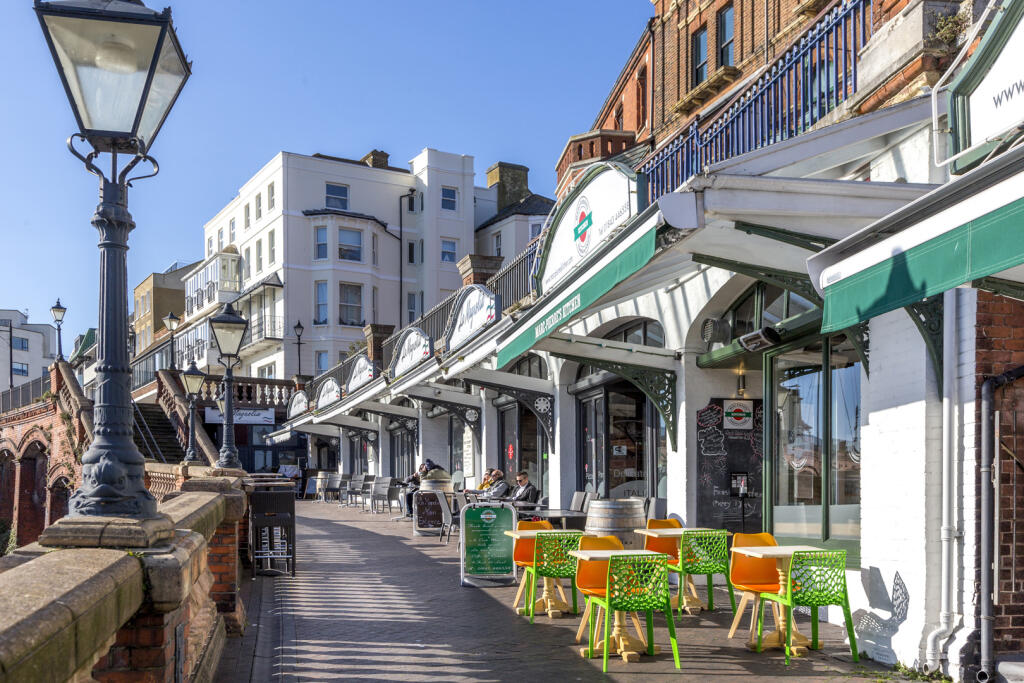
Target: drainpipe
988 389
950 351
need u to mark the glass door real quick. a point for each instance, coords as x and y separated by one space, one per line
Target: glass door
592 460
627 461
508 452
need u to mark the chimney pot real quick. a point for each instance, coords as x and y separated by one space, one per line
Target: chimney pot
376 159
512 181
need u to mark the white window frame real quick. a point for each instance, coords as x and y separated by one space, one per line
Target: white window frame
410 303
373 249
259 256
453 199
231 231
209 246
248 216
373 304
346 305
540 229
317 303
497 243
247 263
270 197
337 197
317 243
355 232
454 251
317 366
15 366
259 206
220 239
271 251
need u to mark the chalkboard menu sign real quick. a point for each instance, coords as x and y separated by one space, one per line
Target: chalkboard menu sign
730 452
486 550
426 512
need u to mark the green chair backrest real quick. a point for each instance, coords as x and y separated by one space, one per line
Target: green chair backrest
818 578
704 552
551 553
637 582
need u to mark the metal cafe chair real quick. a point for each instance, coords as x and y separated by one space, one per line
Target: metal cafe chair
272 529
333 486
448 520
380 493
578 498
355 485
367 492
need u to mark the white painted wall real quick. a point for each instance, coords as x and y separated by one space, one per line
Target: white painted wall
41 352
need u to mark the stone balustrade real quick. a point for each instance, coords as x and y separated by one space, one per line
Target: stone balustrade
108 599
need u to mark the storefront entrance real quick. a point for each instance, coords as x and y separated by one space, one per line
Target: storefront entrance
524 445
403 453
358 455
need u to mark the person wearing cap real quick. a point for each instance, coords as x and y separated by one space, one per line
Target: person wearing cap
498 487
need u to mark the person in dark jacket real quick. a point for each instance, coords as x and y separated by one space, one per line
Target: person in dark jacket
498 488
524 490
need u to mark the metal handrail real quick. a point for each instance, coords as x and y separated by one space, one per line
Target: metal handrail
514 281
24 394
139 418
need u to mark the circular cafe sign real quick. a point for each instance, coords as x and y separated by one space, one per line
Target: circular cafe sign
739 415
584 221
488 516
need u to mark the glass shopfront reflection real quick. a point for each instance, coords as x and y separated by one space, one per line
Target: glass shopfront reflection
403 453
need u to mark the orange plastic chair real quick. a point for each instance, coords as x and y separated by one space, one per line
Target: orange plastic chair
522 552
592 576
669 546
751 575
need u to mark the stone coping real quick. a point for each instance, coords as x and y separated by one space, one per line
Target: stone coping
62 610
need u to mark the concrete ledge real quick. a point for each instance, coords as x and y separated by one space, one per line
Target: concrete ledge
61 609
170 572
195 510
229 487
166 468
107 532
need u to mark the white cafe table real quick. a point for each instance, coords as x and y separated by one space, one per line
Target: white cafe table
692 603
547 602
619 641
782 554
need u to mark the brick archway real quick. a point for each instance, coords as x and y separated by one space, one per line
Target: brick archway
31 516
8 477
58 494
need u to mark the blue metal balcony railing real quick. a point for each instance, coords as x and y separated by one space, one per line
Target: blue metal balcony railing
804 85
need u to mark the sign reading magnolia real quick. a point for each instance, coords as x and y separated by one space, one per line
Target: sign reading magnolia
329 392
362 373
475 308
604 200
413 349
243 416
298 404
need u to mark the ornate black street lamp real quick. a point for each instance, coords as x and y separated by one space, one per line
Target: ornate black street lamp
122 69
58 311
228 332
193 379
298 344
171 322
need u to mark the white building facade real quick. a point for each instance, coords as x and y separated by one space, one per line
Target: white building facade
26 349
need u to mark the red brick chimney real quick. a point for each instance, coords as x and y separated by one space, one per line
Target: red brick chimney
375 336
477 270
512 182
376 159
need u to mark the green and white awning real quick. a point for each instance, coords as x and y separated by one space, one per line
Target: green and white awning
969 229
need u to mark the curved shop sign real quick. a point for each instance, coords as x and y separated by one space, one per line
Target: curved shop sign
298 404
605 198
475 308
330 391
413 347
362 373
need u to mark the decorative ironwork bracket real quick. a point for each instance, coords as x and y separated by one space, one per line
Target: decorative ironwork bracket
860 336
786 279
927 315
409 424
657 385
469 415
540 403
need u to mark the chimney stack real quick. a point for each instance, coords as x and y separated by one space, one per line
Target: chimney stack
375 336
376 159
511 180
477 269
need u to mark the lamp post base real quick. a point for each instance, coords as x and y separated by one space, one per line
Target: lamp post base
112 485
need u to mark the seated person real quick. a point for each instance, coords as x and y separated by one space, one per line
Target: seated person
498 488
289 471
524 490
413 484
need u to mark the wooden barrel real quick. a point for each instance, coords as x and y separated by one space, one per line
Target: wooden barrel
617 517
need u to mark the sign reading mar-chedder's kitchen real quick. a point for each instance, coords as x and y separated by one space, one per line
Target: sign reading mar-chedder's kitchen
605 198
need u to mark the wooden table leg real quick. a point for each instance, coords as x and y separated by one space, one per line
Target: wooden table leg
777 638
549 602
692 602
620 642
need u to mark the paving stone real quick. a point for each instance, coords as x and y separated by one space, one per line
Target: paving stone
370 601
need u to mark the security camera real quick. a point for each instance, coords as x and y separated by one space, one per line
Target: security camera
761 339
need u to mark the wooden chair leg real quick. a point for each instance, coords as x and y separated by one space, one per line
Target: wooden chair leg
583 622
744 601
561 591
519 593
639 631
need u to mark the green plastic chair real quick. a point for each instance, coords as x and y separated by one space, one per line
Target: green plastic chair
551 558
816 579
636 583
705 552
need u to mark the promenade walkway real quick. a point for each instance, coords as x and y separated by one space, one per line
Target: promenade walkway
372 602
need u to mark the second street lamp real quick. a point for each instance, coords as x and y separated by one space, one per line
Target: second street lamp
228 332
298 344
122 69
193 379
171 322
58 311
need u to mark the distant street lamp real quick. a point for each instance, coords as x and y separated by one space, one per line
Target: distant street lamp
228 331
58 311
193 379
298 344
122 70
171 322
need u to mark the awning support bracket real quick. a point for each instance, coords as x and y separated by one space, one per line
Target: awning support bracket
539 403
927 315
469 415
658 385
1014 290
786 279
409 424
859 336
796 239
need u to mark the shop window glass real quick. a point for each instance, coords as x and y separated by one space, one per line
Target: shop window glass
774 305
798 305
845 414
456 441
661 459
627 471
634 335
655 334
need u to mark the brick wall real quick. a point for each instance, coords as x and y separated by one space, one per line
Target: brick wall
1000 347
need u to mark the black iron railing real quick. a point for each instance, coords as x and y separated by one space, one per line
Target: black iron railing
514 282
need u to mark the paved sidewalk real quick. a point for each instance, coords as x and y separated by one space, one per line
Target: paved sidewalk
372 602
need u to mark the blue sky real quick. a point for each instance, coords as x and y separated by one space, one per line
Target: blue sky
507 81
